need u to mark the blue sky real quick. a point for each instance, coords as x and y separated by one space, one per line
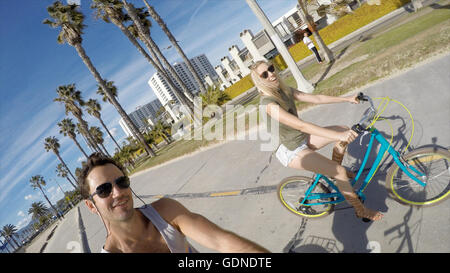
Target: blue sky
33 65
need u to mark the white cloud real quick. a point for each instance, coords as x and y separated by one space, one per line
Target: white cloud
28 197
78 2
113 131
22 223
21 214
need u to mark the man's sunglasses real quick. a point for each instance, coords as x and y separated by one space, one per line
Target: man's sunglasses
265 74
105 189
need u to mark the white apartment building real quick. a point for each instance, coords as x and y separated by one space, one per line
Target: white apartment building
164 92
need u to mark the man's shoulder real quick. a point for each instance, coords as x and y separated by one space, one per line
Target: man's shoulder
169 208
164 203
171 211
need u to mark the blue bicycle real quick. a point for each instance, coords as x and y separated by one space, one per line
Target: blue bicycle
420 177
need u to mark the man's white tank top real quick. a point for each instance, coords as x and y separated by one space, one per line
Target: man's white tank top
175 240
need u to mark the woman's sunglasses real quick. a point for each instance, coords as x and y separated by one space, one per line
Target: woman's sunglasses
265 74
105 189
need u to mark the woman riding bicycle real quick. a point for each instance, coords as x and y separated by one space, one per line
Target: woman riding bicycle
300 139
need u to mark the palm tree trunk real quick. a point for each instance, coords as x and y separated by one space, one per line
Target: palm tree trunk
87 142
65 166
112 99
156 53
151 45
104 149
186 92
165 138
88 135
50 203
172 39
158 66
70 181
109 133
79 147
305 17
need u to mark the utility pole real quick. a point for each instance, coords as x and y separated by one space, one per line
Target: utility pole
302 84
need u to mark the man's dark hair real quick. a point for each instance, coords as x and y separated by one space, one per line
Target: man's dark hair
94 160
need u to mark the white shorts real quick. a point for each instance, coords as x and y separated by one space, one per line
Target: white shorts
285 156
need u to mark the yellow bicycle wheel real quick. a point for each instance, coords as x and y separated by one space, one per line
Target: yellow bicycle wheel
291 192
435 164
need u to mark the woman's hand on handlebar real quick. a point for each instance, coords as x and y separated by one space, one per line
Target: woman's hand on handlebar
347 136
353 99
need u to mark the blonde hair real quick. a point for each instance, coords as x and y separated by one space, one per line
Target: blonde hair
267 88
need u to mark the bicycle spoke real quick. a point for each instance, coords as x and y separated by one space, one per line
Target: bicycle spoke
292 192
435 166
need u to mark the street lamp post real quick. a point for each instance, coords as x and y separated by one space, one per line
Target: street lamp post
302 83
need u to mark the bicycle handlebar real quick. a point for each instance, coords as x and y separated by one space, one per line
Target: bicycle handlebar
368 115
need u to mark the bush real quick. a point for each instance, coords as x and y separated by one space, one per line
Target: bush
239 87
359 18
279 63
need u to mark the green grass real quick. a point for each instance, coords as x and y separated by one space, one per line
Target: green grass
401 33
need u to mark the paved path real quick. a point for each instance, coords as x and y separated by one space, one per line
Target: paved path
246 178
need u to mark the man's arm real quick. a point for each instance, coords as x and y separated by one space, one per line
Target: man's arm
206 233
321 99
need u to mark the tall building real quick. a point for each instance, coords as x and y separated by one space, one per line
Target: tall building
203 67
164 92
145 112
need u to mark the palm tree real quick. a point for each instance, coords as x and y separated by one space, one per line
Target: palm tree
337 8
37 182
51 143
214 96
304 15
67 128
94 108
8 232
38 209
111 10
78 170
160 130
172 39
80 131
61 171
98 137
112 88
71 98
150 137
70 20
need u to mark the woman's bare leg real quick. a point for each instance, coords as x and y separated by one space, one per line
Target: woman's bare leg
317 163
317 142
